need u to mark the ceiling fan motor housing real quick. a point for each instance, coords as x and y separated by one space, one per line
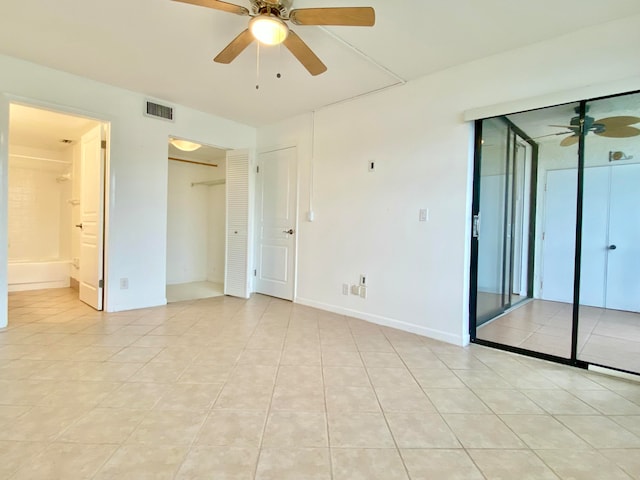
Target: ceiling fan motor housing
279 7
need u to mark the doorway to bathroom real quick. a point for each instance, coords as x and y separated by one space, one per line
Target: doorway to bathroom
196 220
56 198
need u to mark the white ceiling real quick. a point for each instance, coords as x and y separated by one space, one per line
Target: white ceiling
164 49
44 129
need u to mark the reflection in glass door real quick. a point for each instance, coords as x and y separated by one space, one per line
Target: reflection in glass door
501 221
571 244
609 311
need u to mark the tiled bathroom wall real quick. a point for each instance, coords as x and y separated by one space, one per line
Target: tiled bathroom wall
39 208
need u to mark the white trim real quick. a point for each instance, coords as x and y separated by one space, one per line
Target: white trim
614 373
109 183
137 304
566 96
388 322
5 102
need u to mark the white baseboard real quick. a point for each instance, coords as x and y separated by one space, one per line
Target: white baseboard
23 287
614 373
137 306
388 322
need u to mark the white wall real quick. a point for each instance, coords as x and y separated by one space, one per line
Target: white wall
4 196
192 225
368 222
137 225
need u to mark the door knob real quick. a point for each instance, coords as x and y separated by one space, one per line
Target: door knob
612 247
79 226
290 231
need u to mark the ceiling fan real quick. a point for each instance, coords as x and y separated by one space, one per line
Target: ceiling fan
613 127
267 26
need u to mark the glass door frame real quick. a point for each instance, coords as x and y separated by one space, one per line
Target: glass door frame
573 359
513 131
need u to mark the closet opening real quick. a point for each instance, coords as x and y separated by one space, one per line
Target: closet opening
196 220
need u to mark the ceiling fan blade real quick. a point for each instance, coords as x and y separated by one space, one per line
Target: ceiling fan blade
235 48
345 16
218 5
572 140
552 135
304 54
620 132
615 122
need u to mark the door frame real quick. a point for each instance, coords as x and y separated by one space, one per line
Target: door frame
224 234
6 100
256 241
475 211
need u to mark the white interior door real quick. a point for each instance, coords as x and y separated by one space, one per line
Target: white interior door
559 235
276 223
92 162
623 266
595 212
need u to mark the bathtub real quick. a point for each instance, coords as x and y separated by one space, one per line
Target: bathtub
38 274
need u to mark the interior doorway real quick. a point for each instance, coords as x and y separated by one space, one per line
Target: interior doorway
196 221
56 199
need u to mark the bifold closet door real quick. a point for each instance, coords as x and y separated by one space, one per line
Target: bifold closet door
238 233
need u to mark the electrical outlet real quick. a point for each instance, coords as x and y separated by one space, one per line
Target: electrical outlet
345 289
355 289
363 292
424 215
124 283
363 280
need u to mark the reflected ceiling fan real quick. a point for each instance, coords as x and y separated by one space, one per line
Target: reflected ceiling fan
268 26
613 127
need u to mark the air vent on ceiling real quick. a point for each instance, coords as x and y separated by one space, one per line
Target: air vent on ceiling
159 111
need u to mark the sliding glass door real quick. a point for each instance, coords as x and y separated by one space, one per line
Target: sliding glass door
556 233
609 312
501 219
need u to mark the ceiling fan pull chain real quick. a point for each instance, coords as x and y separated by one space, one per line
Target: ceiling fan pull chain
258 66
279 60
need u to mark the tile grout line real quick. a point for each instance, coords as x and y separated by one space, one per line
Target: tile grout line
384 416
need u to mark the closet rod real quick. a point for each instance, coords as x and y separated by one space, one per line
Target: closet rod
193 161
210 183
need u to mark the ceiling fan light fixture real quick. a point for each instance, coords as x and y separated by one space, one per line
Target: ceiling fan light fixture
184 145
268 29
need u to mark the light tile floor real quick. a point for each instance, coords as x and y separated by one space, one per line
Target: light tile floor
605 337
232 389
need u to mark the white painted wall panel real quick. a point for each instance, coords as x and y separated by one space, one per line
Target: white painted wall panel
418 273
137 216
